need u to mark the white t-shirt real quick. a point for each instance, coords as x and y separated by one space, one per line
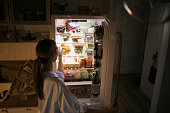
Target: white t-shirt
57 98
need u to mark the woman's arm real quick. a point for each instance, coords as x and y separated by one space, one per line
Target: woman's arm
60 63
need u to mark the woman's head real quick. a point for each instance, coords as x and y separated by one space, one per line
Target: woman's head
46 50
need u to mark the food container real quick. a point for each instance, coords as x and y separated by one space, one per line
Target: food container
82 62
89 39
78 49
84 74
90 46
89 61
65 38
68 75
74 59
76 38
60 29
66 49
77 74
91 30
89 52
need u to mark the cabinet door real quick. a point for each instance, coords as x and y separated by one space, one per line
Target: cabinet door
4 18
30 11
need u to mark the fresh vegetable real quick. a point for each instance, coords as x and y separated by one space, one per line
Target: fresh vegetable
78 49
66 38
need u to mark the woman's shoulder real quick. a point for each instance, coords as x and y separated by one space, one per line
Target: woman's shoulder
58 75
53 79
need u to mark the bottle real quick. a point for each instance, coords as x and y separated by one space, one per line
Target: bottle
96 49
96 83
101 30
100 50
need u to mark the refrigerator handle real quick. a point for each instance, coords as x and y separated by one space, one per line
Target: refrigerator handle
107 21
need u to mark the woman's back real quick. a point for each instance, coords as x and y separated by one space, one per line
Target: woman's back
57 98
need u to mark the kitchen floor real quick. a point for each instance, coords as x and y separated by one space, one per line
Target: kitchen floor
130 98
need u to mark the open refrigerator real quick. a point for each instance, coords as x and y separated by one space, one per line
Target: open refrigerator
81 40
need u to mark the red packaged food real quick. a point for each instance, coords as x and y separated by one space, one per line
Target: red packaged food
89 61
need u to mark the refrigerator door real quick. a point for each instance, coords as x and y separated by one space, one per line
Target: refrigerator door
108 62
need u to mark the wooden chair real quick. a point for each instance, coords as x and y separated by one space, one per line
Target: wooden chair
21 88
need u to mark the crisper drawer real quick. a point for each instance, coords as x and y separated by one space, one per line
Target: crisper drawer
80 89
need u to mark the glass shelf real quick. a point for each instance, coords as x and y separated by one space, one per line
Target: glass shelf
80 33
74 43
70 43
85 82
76 55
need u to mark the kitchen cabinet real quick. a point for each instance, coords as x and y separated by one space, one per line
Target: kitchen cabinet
17 51
25 12
4 12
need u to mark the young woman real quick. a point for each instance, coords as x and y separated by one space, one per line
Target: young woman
52 93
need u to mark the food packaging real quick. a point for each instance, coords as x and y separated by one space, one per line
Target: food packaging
89 52
89 61
78 49
60 29
82 62
84 74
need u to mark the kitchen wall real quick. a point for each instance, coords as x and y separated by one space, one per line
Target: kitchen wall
133 34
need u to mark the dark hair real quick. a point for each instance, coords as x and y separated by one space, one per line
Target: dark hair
45 51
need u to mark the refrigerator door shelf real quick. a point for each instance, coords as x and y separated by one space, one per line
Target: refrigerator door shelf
78 83
78 68
69 43
78 44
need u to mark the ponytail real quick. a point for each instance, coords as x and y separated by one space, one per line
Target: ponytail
38 80
45 50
